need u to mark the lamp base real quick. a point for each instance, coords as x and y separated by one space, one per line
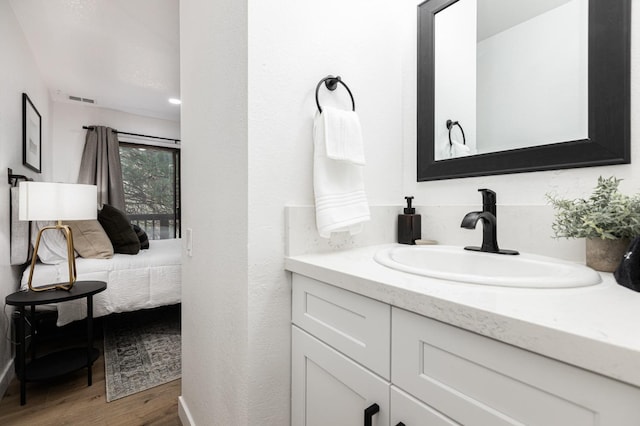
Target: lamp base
59 286
70 257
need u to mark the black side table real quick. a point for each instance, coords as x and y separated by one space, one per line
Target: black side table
57 363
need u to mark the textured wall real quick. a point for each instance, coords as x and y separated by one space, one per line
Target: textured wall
18 74
237 295
291 48
68 136
213 85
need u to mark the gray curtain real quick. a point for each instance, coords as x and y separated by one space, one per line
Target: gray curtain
100 166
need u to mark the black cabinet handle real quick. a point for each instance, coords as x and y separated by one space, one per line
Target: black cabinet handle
369 412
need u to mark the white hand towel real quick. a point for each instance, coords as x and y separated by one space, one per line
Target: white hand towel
456 149
341 203
343 135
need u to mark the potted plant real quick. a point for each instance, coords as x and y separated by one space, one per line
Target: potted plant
607 219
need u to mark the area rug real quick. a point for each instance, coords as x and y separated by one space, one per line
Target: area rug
141 350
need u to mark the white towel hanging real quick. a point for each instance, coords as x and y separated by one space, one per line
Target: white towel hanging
341 202
343 135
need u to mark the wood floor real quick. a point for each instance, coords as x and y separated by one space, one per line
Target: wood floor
69 401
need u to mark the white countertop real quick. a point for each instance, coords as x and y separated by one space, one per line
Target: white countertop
596 327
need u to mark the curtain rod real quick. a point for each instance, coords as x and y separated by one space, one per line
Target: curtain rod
136 134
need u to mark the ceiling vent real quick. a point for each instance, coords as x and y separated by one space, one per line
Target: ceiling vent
79 99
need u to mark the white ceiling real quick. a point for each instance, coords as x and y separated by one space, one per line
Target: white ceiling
124 54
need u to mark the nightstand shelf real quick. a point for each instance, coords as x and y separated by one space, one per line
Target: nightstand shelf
58 364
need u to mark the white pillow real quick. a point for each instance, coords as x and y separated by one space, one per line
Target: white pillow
53 244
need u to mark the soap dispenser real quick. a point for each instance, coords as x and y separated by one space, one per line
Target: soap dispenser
409 224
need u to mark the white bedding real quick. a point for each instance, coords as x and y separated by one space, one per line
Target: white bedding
148 279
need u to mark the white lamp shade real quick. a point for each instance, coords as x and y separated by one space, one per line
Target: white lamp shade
57 201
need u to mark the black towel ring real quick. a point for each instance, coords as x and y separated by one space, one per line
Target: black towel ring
450 125
331 83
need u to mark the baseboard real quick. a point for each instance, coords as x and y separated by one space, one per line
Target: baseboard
184 414
7 375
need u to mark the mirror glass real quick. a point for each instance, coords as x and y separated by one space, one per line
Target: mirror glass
508 86
511 73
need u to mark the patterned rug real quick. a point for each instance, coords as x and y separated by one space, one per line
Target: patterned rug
141 350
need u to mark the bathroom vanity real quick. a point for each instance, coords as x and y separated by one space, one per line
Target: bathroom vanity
371 345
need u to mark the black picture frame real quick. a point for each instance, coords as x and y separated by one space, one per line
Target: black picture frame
31 135
609 98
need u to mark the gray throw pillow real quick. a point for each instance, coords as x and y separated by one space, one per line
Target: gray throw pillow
142 237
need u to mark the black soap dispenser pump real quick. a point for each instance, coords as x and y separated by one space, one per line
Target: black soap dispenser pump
409 224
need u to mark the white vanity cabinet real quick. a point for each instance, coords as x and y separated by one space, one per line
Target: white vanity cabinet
350 352
335 380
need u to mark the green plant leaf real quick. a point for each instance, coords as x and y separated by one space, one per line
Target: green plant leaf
606 214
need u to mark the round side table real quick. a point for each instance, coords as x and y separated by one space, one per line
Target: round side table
57 363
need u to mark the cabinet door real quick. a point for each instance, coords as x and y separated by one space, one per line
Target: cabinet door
329 389
356 326
408 411
479 381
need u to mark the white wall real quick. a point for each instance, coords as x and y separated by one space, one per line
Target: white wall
215 338
455 76
533 82
523 193
18 74
68 136
248 106
290 49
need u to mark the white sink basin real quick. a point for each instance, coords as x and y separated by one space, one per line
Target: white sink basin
457 264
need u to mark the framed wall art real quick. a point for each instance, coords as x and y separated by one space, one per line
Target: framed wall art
31 135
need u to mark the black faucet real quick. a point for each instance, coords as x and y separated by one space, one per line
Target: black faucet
489 223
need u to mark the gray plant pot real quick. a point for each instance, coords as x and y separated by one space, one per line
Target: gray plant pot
605 255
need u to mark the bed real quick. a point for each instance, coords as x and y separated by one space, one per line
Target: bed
143 279
149 279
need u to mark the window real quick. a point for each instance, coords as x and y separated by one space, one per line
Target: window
151 176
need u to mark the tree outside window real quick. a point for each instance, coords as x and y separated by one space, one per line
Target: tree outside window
152 188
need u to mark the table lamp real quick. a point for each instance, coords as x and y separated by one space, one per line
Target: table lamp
56 201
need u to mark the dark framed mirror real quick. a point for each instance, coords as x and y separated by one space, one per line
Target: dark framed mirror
606 137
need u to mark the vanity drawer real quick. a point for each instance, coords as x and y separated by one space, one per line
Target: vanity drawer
407 410
476 380
355 325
